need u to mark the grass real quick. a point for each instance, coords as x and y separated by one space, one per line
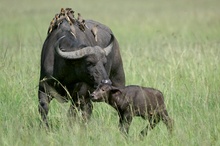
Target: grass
172 46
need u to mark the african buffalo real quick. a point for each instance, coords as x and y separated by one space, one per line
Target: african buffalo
77 55
133 101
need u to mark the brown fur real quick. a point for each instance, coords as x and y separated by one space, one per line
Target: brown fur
133 101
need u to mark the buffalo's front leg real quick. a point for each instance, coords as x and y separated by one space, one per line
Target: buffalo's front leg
46 93
43 106
81 108
86 110
81 103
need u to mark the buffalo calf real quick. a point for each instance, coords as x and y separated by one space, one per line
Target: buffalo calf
133 101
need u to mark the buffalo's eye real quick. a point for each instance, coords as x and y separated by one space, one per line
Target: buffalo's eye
88 63
104 61
104 64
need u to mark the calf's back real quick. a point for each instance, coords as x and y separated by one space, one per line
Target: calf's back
143 98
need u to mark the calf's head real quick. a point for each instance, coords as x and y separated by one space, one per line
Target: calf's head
104 92
89 62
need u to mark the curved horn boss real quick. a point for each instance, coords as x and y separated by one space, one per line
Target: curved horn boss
84 51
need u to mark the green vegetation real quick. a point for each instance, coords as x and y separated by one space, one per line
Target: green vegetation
171 45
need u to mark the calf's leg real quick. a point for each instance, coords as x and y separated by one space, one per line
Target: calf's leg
153 120
124 123
168 121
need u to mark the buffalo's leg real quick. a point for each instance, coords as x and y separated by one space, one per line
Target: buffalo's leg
73 112
81 103
86 110
43 106
83 108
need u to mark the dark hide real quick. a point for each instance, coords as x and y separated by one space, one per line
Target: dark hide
133 101
73 79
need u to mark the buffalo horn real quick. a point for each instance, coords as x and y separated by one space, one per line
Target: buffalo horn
84 51
108 49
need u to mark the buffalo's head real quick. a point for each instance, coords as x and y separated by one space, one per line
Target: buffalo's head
89 62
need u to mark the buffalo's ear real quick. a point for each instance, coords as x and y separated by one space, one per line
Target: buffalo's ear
115 91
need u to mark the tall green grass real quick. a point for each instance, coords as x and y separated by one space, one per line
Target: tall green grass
170 45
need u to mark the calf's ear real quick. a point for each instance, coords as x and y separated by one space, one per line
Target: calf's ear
115 91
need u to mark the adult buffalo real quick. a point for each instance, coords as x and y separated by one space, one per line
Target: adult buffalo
76 56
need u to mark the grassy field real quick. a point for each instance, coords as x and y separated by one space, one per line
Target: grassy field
171 45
